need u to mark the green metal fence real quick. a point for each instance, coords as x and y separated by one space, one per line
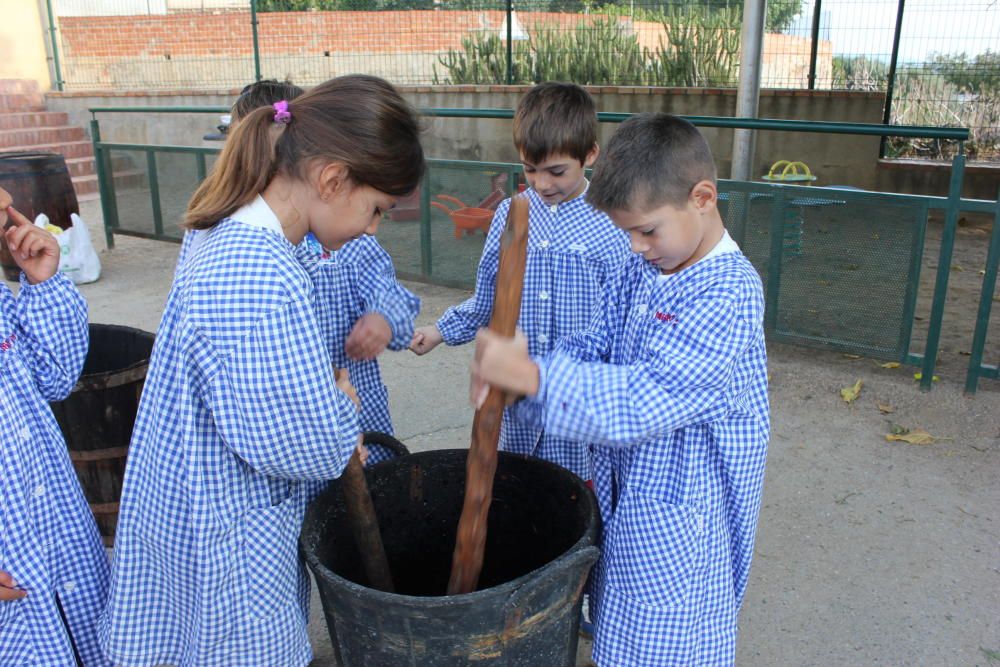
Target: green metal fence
841 267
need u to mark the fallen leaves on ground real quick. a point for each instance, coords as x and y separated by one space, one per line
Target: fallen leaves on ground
885 408
850 394
919 376
890 364
917 436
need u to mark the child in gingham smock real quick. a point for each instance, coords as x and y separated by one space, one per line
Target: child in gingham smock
360 306
573 249
53 566
362 310
240 416
669 382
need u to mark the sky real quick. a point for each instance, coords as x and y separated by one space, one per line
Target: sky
865 27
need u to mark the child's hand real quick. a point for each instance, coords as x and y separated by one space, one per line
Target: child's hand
8 587
344 384
369 337
425 339
5 201
35 250
502 363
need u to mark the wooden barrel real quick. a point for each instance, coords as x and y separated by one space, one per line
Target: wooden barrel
38 183
97 417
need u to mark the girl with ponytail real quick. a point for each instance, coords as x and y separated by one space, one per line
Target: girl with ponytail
241 417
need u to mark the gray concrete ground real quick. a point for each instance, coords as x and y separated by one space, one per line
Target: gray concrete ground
868 552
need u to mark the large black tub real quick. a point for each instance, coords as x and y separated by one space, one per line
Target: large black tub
543 525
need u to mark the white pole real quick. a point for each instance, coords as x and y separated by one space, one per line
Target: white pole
748 94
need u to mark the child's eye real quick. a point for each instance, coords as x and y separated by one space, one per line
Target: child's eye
648 232
558 173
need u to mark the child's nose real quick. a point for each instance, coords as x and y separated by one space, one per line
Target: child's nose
637 243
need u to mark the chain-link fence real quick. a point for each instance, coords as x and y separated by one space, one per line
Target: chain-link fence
937 60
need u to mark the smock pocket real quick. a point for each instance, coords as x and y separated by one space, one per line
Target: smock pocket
16 636
272 557
654 550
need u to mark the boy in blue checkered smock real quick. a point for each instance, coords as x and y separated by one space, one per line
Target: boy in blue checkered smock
362 310
241 418
360 306
669 383
53 567
573 250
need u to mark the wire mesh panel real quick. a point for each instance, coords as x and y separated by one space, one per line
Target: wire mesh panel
445 247
840 267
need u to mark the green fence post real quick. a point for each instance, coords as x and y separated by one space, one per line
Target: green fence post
103 176
510 42
201 168
425 225
944 267
55 45
154 192
774 258
256 45
985 305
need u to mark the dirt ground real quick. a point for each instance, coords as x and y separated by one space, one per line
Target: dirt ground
868 552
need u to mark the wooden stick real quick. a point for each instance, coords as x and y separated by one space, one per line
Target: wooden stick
481 465
364 525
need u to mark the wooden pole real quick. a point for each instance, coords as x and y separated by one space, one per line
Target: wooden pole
364 525
481 465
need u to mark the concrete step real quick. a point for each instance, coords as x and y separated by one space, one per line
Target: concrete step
68 149
16 120
40 135
18 86
85 166
22 102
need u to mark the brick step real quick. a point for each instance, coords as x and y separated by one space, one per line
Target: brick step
40 135
68 149
16 120
126 179
85 166
22 101
18 86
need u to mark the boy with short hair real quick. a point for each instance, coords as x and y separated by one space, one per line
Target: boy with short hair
573 249
669 383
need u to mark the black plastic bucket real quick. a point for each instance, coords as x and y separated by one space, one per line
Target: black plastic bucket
98 416
382 447
543 525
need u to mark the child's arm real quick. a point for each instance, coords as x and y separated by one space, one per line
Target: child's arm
389 308
50 313
679 381
275 401
460 323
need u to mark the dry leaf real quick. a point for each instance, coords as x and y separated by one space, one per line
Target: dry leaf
885 408
917 436
957 267
919 376
823 282
890 364
850 394
851 356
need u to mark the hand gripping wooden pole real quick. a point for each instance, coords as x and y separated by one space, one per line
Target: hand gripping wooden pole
470 542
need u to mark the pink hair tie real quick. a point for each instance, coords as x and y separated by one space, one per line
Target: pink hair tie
281 113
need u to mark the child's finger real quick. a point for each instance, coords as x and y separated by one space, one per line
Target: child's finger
7 580
5 199
11 594
17 219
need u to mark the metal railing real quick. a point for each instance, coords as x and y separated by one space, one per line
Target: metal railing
764 209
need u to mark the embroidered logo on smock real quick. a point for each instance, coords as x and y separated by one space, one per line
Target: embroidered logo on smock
668 318
8 343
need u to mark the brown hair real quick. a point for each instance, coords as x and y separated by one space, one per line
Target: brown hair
653 159
358 120
263 93
555 119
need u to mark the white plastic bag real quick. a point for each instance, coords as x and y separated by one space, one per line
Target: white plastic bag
77 258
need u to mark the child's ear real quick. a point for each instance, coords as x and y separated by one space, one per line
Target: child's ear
592 156
704 196
333 178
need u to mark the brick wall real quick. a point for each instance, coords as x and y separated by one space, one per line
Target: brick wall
199 49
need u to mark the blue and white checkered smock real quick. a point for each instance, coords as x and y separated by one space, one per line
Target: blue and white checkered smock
669 383
239 420
49 542
573 249
356 280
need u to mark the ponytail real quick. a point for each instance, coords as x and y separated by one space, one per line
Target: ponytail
245 167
